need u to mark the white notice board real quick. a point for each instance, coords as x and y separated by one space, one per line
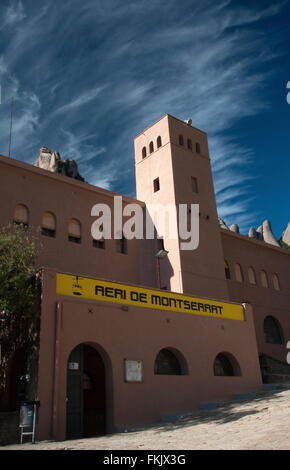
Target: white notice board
133 370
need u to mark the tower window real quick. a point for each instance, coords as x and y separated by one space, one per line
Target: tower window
194 185
189 144
161 243
151 147
181 140
159 142
144 152
156 185
197 147
227 270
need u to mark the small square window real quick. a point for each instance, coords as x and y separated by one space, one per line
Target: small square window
156 185
194 185
181 140
122 245
99 244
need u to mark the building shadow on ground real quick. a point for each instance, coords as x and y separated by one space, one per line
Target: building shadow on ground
222 413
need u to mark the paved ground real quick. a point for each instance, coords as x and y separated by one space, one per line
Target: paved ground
260 423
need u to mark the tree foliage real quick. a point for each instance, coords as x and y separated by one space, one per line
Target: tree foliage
19 294
284 245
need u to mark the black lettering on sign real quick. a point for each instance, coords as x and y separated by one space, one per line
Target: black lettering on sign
172 301
155 299
220 308
120 293
165 301
134 296
99 289
109 292
201 307
143 298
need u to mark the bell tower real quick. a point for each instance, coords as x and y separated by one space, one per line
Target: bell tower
173 167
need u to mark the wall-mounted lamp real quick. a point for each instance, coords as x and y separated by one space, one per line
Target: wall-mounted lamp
160 255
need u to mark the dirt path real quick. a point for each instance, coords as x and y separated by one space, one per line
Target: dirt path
260 423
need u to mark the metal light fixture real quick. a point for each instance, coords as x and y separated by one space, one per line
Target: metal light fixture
160 255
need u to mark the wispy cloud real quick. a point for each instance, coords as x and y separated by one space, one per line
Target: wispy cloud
13 14
89 77
84 98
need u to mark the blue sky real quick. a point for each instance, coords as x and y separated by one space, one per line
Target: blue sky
88 76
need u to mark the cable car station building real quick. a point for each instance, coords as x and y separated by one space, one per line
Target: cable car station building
123 343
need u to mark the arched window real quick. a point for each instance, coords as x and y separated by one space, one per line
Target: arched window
48 224
227 270
197 147
273 331
166 363
180 140
159 142
151 147
144 152
21 214
189 144
74 231
239 273
264 279
252 275
276 283
223 366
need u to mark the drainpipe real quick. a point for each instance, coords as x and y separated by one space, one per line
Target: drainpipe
55 371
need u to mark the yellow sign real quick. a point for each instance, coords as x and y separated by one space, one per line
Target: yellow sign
87 288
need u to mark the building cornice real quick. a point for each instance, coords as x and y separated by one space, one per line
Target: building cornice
65 179
259 243
172 117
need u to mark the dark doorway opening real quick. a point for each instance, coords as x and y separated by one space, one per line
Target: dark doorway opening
86 404
18 383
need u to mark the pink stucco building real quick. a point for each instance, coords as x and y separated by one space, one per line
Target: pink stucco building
106 364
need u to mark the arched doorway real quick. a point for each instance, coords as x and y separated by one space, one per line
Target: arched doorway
86 394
